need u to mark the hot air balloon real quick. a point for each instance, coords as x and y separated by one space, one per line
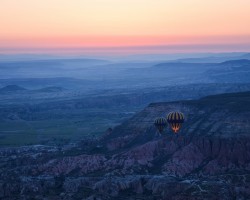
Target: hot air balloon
175 119
160 123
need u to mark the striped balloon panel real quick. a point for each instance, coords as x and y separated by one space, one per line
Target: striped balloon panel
160 121
160 124
175 117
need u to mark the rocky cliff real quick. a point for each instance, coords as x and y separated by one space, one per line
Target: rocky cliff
208 159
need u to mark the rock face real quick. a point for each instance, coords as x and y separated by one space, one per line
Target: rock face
208 159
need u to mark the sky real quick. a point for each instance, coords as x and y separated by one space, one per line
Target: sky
124 26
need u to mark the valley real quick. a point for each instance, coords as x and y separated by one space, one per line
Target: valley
208 158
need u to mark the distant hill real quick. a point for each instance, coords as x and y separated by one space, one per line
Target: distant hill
232 71
47 68
215 58
246 56
51 89
38 83
239 62
179 68
11 88
177 65
180 65
52 62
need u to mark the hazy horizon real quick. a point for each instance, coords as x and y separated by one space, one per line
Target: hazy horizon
136 57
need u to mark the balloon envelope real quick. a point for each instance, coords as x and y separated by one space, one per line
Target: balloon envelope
175 119
160 123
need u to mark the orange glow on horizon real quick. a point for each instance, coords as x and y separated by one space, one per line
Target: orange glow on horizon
113 23
121 41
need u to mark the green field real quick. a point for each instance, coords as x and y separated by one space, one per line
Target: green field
73 126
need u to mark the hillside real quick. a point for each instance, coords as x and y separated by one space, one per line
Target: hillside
208 159
51 89
223 115
11 89
231 71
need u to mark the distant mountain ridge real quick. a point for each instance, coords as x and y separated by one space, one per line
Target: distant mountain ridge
231 71
214 59
236 62
57 61
12 88
15 88
51 89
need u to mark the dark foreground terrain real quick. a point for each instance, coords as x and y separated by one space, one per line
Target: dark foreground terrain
208 159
